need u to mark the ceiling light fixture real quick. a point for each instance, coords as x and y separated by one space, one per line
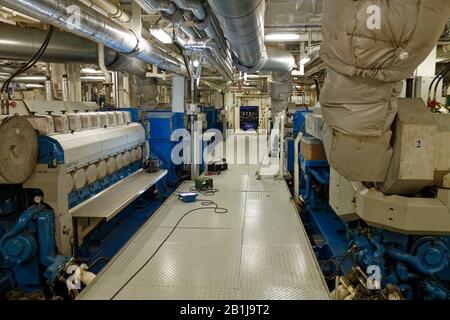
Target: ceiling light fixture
305 60
282 37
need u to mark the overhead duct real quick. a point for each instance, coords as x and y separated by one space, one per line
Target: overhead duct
24 79
21 43
81 20
213 46
242 23
366 67
157 5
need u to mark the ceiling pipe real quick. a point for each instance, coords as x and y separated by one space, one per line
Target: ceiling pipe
18 43
194 6
92 25
108 9
157 5
242 23
217 54
113 11
24 79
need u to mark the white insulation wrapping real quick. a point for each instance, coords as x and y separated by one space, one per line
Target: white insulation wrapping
369 48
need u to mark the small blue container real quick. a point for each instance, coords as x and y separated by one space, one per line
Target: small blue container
188 197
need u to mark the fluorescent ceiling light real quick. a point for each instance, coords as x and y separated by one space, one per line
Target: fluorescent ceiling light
91 71
305 60
300 72
282 37
161 35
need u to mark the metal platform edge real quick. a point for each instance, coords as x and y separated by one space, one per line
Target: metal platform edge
82 210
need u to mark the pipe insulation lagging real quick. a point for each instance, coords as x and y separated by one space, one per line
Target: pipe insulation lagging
367 65
18 150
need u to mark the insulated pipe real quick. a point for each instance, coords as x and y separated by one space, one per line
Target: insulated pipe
101 63
90 24
25 79
296 166
113 11
242 23
157 5
194 6
18 43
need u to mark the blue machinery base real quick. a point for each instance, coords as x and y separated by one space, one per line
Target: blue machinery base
418 265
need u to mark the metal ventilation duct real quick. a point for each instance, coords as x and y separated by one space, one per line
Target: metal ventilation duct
242 23
21 43
79 19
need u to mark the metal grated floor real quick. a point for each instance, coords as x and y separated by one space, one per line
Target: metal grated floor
259 250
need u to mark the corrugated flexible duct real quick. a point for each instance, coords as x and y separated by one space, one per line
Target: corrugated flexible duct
81 20
242 23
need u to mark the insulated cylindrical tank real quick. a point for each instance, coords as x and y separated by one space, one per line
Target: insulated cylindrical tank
18 150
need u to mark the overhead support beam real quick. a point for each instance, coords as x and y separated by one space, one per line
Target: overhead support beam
79 19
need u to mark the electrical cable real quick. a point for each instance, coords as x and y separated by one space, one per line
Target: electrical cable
338 264
434 80
317 87
206 205
96 261
34 59
209 192
446 70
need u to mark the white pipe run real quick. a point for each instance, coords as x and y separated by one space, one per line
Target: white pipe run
101 63
113 11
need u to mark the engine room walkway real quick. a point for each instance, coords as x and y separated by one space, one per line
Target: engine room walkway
258 250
